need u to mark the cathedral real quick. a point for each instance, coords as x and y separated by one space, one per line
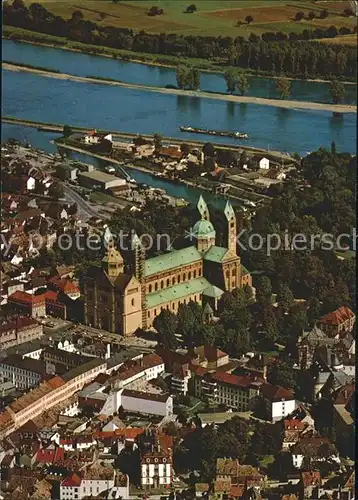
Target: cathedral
121 302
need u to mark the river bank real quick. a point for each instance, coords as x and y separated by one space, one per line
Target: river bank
188 183
335 108
204 65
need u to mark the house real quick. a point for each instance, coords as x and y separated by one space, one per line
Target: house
314 449
310 482
18 330
343 417
156 461
294 430
66 286
94 137
338 323
260 162
99 179
282 401
32 305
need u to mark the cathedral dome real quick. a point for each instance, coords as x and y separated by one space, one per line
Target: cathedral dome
204 229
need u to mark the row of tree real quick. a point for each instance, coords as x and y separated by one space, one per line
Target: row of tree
188 78
267 54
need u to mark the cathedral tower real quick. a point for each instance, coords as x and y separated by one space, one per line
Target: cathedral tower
204 231
232 227
139 268
112 262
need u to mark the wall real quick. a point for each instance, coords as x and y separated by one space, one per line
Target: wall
137 405
281 409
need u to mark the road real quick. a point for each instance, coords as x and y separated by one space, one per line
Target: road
85 209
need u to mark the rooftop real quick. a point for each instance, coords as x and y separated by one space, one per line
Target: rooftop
27 364
146 395
215 254
33 396
98 176
338 316
85 367
176 292
172 260
276 393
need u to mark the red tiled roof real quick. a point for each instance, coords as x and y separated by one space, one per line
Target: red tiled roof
27 298
64 284
50 456
311 478
338 316
238 380
276 392
18 323
73 480
51 295
294 424
130 433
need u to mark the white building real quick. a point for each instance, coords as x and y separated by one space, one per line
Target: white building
94 137
147 403
157 467
24 373
96 479
282 401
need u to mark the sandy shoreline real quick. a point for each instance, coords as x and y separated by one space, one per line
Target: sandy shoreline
337 108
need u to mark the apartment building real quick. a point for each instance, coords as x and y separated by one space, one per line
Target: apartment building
19 330
48 395
237 392
24 373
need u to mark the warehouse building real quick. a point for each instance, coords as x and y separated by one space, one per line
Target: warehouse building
101 180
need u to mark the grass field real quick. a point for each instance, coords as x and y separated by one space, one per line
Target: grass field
213 17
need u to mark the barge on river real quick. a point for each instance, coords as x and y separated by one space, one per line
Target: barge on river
219 133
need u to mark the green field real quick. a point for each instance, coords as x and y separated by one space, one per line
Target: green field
213 17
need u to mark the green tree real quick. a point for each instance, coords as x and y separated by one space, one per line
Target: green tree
242 83
282 374
67 131
264 291
181 76
337 91
166 325
56 190
231 80
189 322
333 148
299 16
285 298
284 86
249 19
209 150
233 54
157 140
195 79
323 14
191 8
311 15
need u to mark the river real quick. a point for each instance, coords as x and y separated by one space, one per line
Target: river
90 65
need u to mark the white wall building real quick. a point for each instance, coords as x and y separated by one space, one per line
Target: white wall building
156 470
97 479
282 401
147 403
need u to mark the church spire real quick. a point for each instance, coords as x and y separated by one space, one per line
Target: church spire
112 262
203 209
232 229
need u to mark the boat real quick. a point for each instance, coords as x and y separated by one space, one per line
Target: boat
219 133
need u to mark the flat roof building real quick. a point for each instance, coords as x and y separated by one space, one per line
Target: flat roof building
102 179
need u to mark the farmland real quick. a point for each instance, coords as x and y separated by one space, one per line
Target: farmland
212 18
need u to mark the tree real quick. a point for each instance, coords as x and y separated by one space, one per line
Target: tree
242 83
209 150
282 374
284 86
348 12
77 16
56 190
195 79
155 11
18 4
243 159
166 325
299 16
323 14
102 15
264 291
285 298
337 91
311 15
191 8
249 19
231 79
185 148
67 131
181 76
157 140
